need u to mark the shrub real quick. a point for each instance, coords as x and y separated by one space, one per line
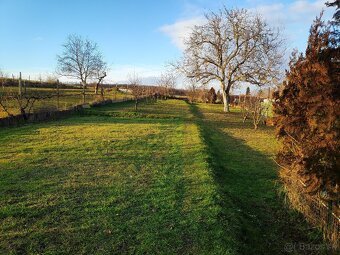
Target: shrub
308 114
211 96
307 117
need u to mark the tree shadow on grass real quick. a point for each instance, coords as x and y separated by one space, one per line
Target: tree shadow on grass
247 183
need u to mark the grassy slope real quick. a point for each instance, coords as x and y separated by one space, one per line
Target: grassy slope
172 178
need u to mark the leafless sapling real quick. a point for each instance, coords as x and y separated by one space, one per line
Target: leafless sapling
135 88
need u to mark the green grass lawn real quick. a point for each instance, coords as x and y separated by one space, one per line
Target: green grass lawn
172 178
247 180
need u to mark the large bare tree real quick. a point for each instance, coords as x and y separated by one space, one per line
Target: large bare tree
233 46
81 60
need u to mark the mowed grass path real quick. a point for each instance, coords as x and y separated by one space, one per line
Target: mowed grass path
252 200
172 178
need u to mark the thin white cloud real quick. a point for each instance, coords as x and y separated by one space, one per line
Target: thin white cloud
297 16
273 13
297 12
180 30
303 6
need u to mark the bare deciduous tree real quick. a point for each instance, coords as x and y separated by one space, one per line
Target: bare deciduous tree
3 79
194 90
80 60
135 87
51 78
100 73
167 82
233 46
251 106
11 102
244 106
255 107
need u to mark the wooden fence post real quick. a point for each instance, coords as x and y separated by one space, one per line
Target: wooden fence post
58 94
20 85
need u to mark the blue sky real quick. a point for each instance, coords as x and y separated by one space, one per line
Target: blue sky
140 36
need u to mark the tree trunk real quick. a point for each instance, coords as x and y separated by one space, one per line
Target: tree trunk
102 92
20 85
225 97
84 95
100 78
23 113
228 101
245 117
58 95
136 105
96 88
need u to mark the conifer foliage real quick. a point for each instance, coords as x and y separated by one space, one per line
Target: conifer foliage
212 97
308 111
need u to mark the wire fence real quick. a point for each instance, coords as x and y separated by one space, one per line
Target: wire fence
322 213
